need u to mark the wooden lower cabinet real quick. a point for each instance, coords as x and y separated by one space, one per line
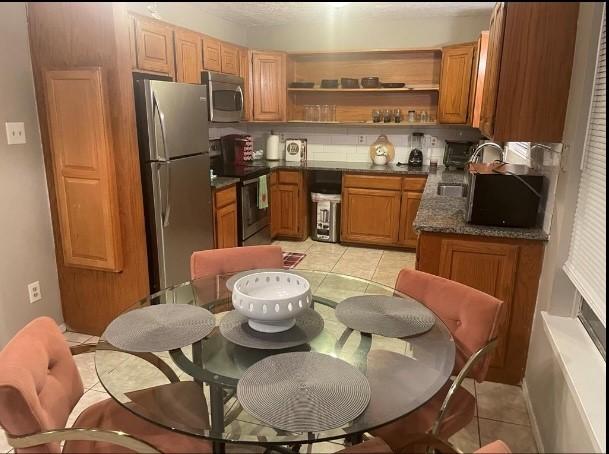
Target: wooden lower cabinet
408 211
225 217
508 269
289 204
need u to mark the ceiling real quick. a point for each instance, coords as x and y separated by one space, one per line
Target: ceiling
280 13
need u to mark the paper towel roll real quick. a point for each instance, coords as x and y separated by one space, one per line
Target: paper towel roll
272 148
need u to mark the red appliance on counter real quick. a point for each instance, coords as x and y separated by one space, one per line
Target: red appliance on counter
237 149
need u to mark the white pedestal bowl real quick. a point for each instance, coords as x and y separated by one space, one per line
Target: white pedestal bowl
271 299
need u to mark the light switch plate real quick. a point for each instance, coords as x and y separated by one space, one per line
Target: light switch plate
15 133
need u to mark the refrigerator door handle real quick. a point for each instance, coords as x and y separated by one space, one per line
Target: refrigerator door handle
167 198
155 106
164 191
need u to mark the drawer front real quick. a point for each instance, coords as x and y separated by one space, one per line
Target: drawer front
226 196
289 177
372 182
414 183
274 177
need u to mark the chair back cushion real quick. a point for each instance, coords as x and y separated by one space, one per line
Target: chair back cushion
39 382
471 316
233 260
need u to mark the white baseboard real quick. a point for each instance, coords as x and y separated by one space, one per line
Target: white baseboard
63 327
532 418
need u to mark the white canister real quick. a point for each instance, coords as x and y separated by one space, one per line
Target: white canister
272 147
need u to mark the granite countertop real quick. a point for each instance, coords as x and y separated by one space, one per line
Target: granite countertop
446 214
341 166
222 182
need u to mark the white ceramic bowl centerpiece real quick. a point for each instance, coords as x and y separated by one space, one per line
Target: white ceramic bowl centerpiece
271 299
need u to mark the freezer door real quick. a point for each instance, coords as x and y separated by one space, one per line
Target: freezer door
182 217
176 119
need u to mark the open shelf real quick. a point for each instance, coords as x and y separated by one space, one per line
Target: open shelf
365 90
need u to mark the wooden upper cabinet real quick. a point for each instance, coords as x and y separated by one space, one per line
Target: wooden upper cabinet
83 169
245 70
528 72
132 46
478 80
188 56
229 56
268 86
154 46
455 83
212 60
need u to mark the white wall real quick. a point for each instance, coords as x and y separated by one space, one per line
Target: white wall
552 401
26 238
190 15
342 33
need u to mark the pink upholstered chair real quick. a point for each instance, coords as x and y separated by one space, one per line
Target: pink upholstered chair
472 317
40 385
232 260
378 446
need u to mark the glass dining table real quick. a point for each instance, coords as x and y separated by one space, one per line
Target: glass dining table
192 390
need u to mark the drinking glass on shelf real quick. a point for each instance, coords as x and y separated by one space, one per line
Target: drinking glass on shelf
376 116
315 112
424 116
332 112
307 112
324 114
387 116
411 116
397 115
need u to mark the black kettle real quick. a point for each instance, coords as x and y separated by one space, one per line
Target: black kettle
415 159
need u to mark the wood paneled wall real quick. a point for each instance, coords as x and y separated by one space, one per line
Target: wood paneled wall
77 35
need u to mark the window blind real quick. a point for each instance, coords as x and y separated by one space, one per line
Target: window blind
586 264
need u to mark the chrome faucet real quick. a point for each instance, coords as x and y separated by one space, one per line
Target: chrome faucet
496 146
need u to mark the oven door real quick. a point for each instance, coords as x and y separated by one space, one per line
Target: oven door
225 101
253 219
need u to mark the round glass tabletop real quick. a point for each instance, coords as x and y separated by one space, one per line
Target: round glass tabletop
193 390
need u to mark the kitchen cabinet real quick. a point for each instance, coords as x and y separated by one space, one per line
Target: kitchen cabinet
506 268
225 217
188 56
245 69
478 79
229 56
528 71
380 209
154 46
268 86
212 60
455 83
289 204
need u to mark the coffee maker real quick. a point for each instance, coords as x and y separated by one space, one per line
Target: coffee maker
415 159
237 149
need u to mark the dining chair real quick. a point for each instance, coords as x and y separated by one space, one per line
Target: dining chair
473 318
233 260
40 385
376 445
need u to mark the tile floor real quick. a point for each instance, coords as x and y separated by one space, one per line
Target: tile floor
501 409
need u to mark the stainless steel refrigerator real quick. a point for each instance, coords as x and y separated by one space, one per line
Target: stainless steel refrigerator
173 139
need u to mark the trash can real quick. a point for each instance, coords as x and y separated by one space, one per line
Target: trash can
325 217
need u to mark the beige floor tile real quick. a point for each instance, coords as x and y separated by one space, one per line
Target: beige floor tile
89 398
355 265
4 446
362 253
76 337
295 246
468 438
319 261
519 438
86 368
398 261
385 276
320 247
501 403
321 448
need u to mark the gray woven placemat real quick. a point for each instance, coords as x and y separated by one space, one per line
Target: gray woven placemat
230 283
160 327
389 316
303 392
234 327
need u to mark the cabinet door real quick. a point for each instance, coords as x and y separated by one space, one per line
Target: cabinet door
132 45
491 74
211 54
154 46
410 206
478 80
455 83
370 216
188 57
285 207
245 68
229 56
83 169
226 226
268 86
489 267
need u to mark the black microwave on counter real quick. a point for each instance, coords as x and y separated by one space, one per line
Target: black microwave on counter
504 195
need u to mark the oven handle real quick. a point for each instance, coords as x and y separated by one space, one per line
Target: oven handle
252 181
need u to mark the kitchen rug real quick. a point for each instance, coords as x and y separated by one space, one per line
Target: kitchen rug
303 392
291 259
389 316
234 327
160 328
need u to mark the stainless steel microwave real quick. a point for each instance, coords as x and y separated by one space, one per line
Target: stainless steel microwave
225 97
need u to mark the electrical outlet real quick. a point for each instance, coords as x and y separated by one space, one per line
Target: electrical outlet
34 291
433 141
361 140
15 133
281 137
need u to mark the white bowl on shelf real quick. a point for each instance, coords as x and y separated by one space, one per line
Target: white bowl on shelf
271 299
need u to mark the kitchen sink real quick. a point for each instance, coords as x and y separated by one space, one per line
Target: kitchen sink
452 189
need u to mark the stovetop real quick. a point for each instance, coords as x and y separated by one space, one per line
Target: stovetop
242 172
